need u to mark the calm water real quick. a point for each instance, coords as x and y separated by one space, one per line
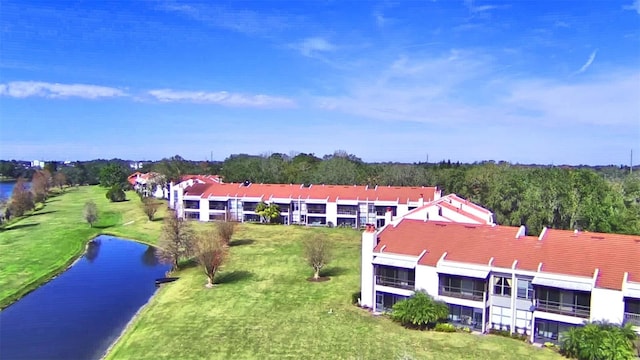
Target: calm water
81 312
6 188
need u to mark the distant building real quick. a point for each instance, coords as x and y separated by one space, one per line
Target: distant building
38 164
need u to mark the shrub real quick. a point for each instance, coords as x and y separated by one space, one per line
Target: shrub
355 298
466 329
445 327
599 340
419 311
116 194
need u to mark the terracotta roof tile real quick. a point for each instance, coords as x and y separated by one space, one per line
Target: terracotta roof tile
560 251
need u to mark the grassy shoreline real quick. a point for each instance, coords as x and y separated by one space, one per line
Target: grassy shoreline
36 248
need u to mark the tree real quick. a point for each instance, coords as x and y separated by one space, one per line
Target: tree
225 230
40 183
60 179
21 198
150 207
317 252
113 175
90 212
210 252
599 340
419 311
116 194
176 240
270 212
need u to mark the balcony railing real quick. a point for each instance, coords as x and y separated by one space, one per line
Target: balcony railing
475 295
395 282
563 308
632 318
318 211
347 212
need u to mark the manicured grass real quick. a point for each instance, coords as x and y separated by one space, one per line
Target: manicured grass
38 247
263 307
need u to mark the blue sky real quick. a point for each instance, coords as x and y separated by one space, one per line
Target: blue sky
549 82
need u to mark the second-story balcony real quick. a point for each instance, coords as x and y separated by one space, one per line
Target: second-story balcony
461 293
395 282
632 318
556 307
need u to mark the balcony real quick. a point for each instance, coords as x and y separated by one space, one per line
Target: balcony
192 204
461 293
395 282
632 318
556 307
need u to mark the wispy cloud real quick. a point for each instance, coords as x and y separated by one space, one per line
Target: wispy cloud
586 65
242 21
471 5
222 98
23 89
635 5
313 45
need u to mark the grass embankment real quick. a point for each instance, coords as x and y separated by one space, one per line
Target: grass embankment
264 308
41 245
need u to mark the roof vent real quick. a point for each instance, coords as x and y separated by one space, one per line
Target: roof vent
246 183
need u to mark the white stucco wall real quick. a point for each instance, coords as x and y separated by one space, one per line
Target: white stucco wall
427 279
607 305
367 296
332 213
204 209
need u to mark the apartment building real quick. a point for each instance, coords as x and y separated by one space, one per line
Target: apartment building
496 277
315 205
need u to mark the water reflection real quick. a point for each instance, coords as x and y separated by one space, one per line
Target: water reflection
149 257
93 250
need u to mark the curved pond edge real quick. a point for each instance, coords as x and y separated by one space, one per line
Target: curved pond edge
77 255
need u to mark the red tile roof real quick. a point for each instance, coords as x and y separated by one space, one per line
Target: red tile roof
559 251
328 192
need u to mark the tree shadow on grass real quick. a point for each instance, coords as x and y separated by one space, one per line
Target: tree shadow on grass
156 218
103 226
232 277
240 242
187 264
333 271
20 226
45 212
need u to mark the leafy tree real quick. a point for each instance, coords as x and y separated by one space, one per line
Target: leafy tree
317 252
150 207
225 230
21 198
270 212
210 253
419 311
176 240
113 174
599 340
76 174
90 212
116 194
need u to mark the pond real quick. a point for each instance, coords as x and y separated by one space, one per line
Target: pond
79 314
6 188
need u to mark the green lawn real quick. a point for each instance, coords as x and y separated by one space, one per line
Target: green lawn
264 308
39 246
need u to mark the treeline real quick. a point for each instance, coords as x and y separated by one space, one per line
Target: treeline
603 199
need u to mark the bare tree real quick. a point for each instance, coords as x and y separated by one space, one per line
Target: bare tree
40 185
90 212
150 207
211 253
21 198
317 252
60 179
225 230
176 240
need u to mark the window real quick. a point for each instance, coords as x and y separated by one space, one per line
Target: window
501 286
501 318
525 289
523 321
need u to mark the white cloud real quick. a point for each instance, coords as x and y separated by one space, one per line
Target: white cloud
461 89
23 89
634 6
311 46
586 65
222 98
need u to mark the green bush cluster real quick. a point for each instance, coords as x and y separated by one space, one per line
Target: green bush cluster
599 340
420 311
445 327
506 333
355 297
116 194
